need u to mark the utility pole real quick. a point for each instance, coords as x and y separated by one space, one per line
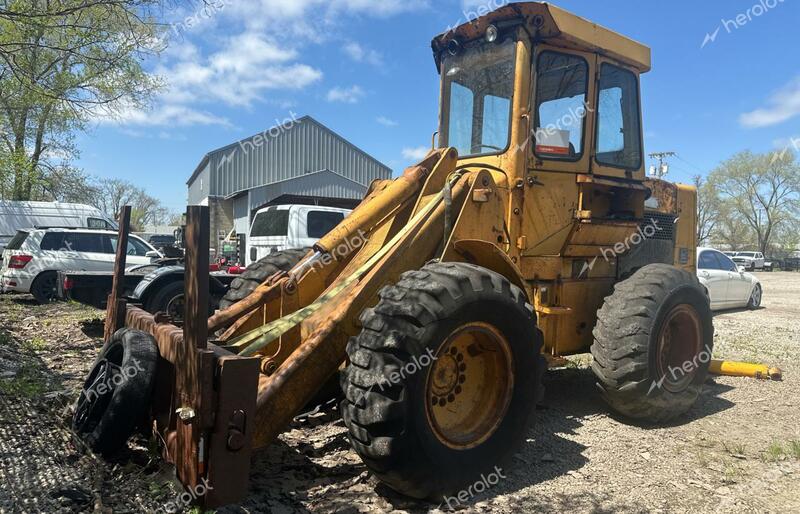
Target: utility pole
663 167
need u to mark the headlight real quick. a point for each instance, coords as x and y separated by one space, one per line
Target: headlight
454 47
492 33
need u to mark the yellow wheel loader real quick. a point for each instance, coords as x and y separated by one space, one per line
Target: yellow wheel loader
530 232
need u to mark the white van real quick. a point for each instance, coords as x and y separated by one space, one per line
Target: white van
281 227
21 215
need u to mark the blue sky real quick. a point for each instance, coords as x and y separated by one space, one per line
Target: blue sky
364 68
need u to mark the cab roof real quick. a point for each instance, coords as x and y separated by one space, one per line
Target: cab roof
557 27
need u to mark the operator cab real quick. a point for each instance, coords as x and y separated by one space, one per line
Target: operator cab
535 86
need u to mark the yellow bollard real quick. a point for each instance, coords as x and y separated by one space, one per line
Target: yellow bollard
744 369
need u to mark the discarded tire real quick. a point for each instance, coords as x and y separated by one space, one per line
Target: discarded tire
653 343
117 393
258 272
451 337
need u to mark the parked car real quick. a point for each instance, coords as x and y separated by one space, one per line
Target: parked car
161 240
791 264
33 258
728 287
751 261
283 227
19 215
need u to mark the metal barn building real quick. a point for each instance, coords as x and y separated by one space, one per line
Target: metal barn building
301 161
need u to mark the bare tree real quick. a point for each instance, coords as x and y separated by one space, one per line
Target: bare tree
112 194
708 208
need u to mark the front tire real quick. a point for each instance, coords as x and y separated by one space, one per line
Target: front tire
653 343
258 272
755 298
442 379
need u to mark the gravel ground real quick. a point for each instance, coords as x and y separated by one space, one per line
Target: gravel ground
737 449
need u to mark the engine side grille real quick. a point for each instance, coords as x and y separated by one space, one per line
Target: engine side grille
659 226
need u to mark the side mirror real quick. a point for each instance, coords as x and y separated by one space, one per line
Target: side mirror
153 255
741 269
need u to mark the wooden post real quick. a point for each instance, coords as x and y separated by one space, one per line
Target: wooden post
116 308
194 362
195 324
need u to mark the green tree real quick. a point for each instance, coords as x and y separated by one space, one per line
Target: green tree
760 192
61 63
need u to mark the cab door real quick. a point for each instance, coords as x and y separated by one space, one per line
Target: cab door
562 99
618 147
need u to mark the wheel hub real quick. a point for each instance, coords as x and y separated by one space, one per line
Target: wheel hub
679 347
469 386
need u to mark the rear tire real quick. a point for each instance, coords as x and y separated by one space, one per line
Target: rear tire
169 299
116 396
414 356
44 287
653 343
258 272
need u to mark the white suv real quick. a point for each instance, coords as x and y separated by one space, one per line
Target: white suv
32 259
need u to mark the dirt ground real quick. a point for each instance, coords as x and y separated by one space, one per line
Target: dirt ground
738 449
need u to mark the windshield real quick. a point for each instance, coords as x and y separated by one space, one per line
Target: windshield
476 105
745 254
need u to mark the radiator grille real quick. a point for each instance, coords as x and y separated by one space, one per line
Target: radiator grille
662 226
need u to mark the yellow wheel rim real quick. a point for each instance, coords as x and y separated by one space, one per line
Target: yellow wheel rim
469 386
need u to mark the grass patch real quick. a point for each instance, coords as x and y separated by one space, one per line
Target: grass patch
735 449
731 474
28 383
702 459
794 449
775 452
36 344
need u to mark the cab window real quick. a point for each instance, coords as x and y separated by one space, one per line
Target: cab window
320 223
478 92
619 141
97 223
561 89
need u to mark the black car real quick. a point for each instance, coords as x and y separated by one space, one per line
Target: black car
161 240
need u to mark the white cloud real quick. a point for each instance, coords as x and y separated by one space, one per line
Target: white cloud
349 95
247 65
360 54
781 106
250 50
416 153
164 115
386 122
